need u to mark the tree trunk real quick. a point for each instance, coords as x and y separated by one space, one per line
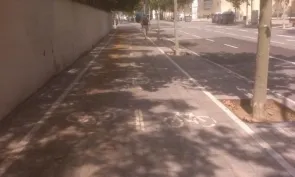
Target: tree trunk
144 7
149 12
262 60
251 10
284 17
235 14
247 13
158 22
175 28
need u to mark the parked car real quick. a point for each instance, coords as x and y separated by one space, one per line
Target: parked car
228 17
188 18
223 18
292 21
219 18
216 17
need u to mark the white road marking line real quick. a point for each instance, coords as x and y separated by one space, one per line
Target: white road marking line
284 132
231 46
22 145
139 123
293 63
231 34
277 42
190 34
291 40
219 32
288 167
186 38
210 40
249 37
243 30
198 37
285 36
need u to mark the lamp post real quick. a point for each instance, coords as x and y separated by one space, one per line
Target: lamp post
175 28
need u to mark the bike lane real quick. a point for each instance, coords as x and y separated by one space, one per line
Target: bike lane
131 113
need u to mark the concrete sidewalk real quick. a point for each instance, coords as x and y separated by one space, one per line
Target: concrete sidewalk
128 109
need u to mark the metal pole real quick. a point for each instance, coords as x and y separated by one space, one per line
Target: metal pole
175 28
158 21
144 6
251 10
149 12
247 12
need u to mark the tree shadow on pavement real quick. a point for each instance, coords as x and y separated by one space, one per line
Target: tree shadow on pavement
280 78
290 31
112 123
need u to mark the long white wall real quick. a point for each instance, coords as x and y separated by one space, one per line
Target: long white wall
38 38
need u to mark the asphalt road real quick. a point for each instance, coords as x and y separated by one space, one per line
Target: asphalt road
233 48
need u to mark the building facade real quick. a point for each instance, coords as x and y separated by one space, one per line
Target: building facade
208 7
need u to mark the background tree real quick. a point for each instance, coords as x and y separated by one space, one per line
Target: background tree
111 5
284 5
156 5
236 4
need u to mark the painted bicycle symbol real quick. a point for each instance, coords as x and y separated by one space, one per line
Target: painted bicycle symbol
134 81
179 119
90 119
184 81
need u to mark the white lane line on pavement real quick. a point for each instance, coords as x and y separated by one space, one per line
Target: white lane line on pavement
231 46
243 30
291 40
211 40
22 145
249 37
280 59
219 32
199 37
288 167
186 38
232 34
139 123
277 42
176 65
285 36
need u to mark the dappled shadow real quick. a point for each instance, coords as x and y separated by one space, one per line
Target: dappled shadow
280 77
112 122
290 31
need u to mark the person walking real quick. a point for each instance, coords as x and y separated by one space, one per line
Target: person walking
145 25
